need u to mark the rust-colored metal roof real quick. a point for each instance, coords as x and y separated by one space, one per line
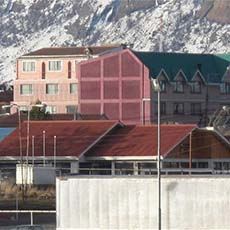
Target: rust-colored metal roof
12 120
53 51
73 137
139 141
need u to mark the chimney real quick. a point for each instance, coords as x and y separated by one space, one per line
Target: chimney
87 52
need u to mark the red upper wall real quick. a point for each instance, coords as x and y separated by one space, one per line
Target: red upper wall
115 85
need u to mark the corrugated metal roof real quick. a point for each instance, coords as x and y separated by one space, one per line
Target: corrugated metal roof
73 137
139 141
211 66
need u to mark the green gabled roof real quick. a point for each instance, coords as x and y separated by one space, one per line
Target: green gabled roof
212 66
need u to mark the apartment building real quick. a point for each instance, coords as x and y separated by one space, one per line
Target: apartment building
49 75
193 86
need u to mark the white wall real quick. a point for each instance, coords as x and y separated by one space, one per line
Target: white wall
131 203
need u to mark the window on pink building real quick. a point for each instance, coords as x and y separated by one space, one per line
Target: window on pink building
28 66
69 69
51 109
43 70
51 88
73 88
55 65
26 89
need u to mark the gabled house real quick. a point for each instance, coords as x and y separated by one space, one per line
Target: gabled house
132 149
193 86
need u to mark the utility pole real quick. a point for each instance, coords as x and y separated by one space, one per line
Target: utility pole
156 86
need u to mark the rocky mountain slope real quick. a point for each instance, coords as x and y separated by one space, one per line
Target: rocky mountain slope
166 25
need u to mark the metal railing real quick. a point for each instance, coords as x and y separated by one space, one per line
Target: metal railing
152 171
10 172
31 212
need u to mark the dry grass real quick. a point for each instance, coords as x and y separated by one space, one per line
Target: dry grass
9 191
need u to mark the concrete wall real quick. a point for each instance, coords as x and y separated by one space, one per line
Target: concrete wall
131 203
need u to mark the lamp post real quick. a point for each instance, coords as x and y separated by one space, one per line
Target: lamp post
156 86
29 108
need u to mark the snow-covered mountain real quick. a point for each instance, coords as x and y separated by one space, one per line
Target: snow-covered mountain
167 25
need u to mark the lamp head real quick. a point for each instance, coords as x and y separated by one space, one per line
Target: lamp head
6 106
155 84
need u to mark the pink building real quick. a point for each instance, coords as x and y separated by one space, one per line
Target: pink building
49 75
116 85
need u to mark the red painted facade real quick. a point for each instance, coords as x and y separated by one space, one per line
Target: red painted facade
116 85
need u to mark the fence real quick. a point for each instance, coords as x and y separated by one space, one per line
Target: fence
30 212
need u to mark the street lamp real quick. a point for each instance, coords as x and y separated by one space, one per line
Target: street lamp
156 87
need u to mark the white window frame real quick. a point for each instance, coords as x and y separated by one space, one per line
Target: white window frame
179 83
26 94
32 71
76 88
46 85
52 108
55 70
193 87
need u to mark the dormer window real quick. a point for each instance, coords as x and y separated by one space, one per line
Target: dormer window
195 87
163 85
179 87
225 88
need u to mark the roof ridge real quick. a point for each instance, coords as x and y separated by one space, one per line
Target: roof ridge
71 121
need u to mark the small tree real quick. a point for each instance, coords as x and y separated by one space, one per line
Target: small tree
39 113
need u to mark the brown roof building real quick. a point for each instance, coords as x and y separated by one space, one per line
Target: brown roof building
68 51
112 147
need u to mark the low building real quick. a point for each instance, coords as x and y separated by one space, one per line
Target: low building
56 143
193 86
110 147
132 149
